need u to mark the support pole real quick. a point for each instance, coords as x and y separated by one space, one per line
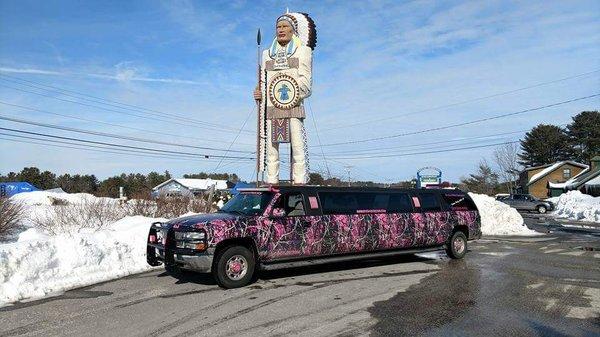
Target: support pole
258 115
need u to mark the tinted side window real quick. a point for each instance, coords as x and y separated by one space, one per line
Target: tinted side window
399 203
429 202
351 202
338 203
459 202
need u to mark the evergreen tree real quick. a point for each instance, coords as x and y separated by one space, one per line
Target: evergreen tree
42 180
584 134
315 179
545 144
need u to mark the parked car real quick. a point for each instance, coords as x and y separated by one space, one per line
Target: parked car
286 226
526 202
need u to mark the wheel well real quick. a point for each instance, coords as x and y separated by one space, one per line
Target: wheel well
461 228
245 242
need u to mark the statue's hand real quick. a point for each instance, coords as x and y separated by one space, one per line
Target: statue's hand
257 94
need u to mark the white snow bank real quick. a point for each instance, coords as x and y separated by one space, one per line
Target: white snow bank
38 264
577 206
51 198
498 218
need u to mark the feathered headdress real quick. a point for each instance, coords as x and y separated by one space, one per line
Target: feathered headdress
304 27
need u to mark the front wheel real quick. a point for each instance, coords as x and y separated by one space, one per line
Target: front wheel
457 246
234 267
541 209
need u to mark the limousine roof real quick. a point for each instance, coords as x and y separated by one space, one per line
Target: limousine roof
317 188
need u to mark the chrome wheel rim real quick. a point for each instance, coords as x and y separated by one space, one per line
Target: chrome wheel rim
542 210
459 245
236 267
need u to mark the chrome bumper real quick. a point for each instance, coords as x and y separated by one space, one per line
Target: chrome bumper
199 262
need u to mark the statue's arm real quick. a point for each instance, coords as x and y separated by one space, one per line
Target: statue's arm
305 72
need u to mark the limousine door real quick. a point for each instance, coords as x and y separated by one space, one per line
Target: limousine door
294 232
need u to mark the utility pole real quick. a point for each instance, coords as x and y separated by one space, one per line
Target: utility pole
348 168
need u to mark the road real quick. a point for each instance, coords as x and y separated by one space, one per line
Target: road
539 286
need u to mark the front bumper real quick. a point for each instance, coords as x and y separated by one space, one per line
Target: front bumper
182 258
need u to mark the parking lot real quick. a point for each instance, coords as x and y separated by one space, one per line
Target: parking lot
547 285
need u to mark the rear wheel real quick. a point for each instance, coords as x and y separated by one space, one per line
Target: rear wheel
457 246
541 209
234 267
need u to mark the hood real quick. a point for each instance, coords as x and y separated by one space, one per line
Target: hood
190 220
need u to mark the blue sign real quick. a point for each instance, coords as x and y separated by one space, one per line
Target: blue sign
11 188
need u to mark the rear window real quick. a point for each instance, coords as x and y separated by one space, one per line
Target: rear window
429 202
357 202
459 202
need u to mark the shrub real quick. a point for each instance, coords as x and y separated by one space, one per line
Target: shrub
11 214
91 214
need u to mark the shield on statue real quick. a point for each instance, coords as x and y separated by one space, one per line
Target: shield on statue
284 92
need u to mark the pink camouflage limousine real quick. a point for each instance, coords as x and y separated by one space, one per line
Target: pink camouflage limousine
284 226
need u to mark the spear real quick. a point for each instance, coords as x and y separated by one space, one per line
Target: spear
258 154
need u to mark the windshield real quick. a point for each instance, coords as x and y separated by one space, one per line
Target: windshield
252 203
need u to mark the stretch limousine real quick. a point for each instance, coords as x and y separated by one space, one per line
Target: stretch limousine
285 226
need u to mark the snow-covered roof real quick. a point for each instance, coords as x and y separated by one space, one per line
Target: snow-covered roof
551 168
593 182
568 182
197 184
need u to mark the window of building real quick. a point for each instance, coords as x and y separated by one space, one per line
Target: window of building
567 173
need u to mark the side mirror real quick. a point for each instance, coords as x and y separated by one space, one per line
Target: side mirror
278 213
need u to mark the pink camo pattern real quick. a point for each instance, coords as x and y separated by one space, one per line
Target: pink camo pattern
333 234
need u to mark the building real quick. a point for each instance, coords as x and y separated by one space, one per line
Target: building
189 187
9 189
534 180
588 182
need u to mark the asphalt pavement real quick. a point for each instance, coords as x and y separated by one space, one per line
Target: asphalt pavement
539 286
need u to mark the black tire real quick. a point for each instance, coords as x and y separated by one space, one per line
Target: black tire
542 209
456 248
234 256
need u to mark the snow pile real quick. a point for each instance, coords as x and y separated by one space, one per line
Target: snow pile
38 264
577 206
46 198
498 218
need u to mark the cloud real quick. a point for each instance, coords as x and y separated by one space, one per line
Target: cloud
123 73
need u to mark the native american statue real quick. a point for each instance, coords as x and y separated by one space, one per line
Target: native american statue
285 81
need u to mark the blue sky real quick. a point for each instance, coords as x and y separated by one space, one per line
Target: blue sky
391 61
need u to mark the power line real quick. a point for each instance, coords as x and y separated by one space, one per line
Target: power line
318 138
105 123
461 124
466 101
100 100
124 146
386 149
236 137
97 148
113 110
110 135
432 151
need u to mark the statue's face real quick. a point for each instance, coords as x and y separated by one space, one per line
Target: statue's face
284 32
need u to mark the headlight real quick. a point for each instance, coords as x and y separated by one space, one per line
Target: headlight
191 240
190 235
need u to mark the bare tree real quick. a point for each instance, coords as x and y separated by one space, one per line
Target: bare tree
11 214
507 159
